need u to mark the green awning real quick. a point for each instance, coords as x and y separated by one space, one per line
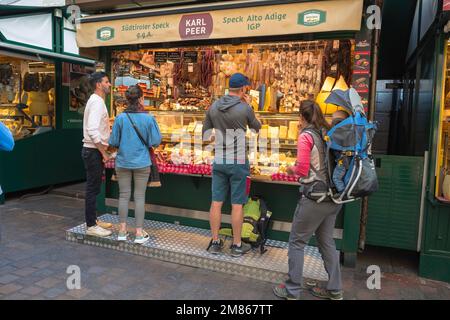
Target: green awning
46 54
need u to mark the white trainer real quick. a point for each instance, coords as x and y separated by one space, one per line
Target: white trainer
122 236
142 239
104 225
98 231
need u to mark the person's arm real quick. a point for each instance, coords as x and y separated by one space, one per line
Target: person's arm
93 130
253 123
304 146
207 127
155 133
114 139
6 138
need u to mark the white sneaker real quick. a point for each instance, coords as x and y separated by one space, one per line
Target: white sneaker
122 237
104 225
98 231
143 239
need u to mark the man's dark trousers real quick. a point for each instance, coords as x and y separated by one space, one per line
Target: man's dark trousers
93 163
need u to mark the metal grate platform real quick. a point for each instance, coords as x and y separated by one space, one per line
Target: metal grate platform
186 245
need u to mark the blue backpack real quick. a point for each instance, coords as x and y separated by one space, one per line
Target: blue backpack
351 140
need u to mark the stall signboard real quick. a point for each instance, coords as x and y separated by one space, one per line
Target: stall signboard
293 18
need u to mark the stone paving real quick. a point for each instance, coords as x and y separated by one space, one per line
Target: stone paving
34 257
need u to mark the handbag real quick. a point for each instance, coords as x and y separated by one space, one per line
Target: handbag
154 179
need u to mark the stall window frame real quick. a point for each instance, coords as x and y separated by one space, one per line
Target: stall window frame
440 105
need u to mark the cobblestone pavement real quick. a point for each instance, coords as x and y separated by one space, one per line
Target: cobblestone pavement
34 257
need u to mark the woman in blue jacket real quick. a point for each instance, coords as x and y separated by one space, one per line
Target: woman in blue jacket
133 158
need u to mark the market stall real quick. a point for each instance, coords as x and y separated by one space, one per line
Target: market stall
35 80
183 57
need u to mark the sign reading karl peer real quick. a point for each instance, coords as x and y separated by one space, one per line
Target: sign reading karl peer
294 18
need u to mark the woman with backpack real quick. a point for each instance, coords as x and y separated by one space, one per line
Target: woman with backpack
134 132
315 213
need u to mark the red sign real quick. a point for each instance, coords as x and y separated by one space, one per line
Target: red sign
446 5
196 26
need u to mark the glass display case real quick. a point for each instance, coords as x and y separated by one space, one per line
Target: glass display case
27 96
273 150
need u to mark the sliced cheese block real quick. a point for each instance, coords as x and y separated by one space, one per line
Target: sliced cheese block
191 127
293 130
198 128
283 132
274 132
264 133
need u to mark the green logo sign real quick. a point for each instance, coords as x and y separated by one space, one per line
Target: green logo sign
312 18
105 33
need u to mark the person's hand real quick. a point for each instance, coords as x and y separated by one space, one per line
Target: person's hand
290 171
247 98
106 156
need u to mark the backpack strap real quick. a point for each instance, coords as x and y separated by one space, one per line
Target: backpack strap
138 133
324 174
319 142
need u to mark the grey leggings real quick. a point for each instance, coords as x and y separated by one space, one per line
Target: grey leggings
140 177
319 218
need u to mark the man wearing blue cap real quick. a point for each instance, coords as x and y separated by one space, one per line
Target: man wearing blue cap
230 116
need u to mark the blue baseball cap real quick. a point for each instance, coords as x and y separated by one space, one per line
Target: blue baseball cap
238 80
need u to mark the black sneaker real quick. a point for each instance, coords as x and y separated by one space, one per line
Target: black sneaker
215 248
239 251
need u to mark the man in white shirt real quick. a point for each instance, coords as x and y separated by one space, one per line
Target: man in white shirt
95 142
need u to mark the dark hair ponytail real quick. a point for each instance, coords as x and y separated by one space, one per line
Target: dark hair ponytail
133 94
311 113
